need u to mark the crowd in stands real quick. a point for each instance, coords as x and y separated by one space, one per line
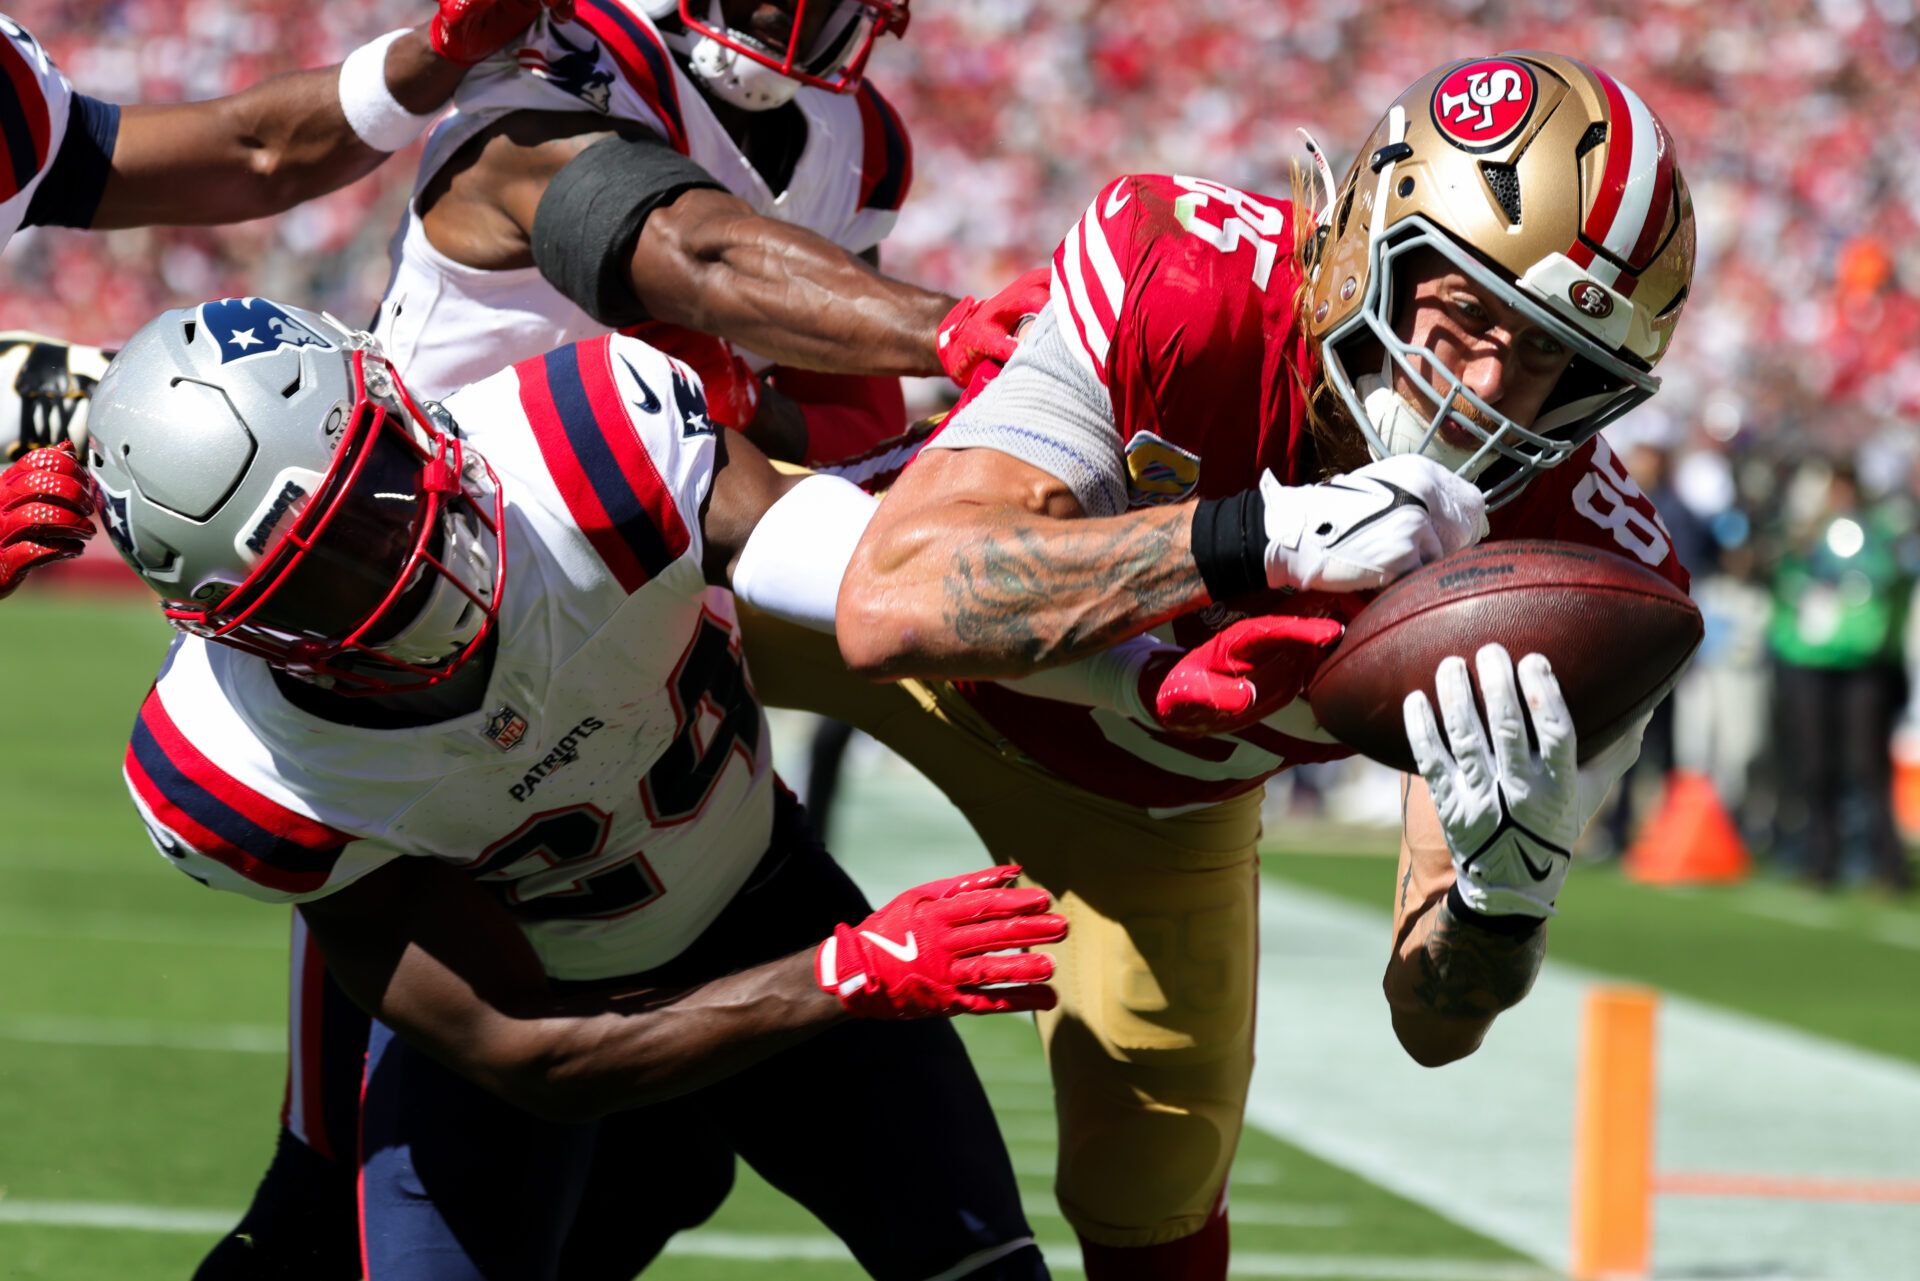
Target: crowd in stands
1798 358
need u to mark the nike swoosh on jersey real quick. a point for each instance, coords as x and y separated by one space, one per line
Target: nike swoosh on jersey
651 405
1116 201
907 951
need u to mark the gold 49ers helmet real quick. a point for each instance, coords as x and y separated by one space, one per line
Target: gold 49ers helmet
1551 185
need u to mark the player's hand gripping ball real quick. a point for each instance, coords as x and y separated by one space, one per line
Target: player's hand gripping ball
1363 530
46 513
976 332
466 31
1507 797
924 955
1242 675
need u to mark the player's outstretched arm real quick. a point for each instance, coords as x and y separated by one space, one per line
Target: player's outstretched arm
424 948
980 564
1487 842
301 135
708 261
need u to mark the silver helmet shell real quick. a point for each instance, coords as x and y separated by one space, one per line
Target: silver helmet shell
264 471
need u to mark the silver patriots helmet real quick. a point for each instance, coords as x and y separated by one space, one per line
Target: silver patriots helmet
267 474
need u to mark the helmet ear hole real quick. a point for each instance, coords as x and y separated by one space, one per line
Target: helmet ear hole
188 328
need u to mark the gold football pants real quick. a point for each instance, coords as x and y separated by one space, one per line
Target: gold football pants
1151 1048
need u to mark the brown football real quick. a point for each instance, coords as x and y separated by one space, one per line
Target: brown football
1618 636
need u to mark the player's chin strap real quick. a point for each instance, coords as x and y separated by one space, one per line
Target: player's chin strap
1323 175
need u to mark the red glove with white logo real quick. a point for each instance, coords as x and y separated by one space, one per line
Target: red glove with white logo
976 331
1241 676
465 31
46 513
922 955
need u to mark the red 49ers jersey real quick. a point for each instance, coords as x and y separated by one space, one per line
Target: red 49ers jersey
1180 295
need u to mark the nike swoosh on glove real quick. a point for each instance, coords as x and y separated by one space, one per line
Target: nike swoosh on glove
46 513
1366 528
924 954
975 332
1510 811
466 31
1241 675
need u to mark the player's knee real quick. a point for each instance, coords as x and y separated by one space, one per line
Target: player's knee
1146 1143
1165 986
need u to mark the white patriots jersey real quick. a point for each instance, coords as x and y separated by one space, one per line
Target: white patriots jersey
615 789
34 101
445 324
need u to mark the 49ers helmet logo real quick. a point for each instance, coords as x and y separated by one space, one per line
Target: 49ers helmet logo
1481 105
1591 298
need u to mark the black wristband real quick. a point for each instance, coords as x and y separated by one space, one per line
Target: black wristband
1515 926
1230 543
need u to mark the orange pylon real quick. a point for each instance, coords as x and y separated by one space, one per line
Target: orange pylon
1689 839
1613 1136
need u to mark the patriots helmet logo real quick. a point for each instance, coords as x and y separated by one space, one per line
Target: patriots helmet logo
254 327
691 400
575 70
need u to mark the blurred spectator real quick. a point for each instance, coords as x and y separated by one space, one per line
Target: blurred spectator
1840 596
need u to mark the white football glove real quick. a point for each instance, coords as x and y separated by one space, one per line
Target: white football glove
1510 813
1367 528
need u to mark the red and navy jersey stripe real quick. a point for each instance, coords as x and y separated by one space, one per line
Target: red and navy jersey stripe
886 168
595 455
26 133
642 59
221 817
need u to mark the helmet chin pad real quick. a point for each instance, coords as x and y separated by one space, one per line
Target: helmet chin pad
738 80
743 69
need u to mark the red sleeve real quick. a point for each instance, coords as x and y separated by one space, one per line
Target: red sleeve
1590 499
1209 290
846 414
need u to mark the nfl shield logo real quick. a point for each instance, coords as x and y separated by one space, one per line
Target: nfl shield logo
505 728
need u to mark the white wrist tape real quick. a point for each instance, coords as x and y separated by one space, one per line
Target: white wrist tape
371 109
796 556
1110 679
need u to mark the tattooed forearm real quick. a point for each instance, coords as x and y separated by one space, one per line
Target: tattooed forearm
1040 592
1463 971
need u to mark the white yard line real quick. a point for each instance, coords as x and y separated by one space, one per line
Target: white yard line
781 1248
65 1029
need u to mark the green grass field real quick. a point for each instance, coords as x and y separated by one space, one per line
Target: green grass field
140 1071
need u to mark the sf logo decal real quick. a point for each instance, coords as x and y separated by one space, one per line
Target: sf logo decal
1481 105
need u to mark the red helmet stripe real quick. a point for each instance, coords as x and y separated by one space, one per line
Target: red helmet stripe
1636 188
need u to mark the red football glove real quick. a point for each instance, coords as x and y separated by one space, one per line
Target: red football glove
920 956
1241 676
465 31
976 331
46 513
